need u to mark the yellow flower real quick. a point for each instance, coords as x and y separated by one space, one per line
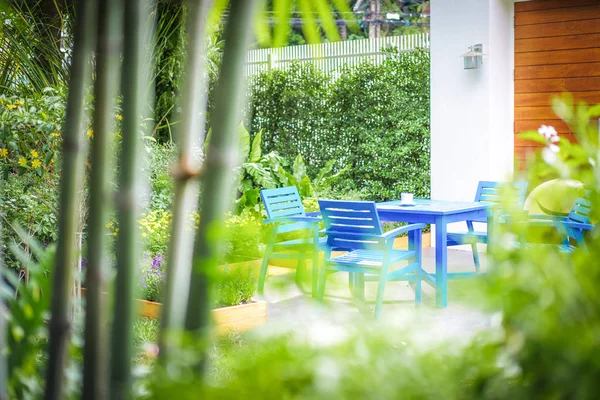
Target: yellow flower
36 163
22 161
55 134
3 152
11 106
19 102
52 161
34 154
90 133
119 117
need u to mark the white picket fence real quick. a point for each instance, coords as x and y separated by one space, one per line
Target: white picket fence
331 56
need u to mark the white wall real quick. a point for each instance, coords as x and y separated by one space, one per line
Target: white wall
471 110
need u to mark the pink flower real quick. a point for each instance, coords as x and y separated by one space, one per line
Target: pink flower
151 350
549 133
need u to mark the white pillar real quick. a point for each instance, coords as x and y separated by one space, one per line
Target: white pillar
472 115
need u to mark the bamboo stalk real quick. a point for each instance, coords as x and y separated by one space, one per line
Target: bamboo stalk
3 315
72 168
193 112
134 90
221 158
95 358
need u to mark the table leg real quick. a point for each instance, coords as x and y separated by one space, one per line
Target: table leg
441 263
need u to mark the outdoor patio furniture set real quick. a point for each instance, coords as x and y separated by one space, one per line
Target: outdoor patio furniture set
353 239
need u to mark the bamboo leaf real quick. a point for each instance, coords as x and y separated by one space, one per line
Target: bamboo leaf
327 21
309 25
262 28
282 12
342 7
534 136
216 14
207 141
594 111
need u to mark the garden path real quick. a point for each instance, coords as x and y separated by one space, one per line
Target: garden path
291 309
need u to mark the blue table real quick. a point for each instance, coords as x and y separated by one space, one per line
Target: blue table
440 214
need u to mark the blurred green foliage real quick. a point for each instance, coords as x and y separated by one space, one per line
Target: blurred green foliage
542 340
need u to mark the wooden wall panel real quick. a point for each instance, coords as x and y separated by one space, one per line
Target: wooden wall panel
584 27
557 49
557 57
557 71
557 43
545 99
550 4
557 15
583 84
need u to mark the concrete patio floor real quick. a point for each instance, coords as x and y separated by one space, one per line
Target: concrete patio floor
290 308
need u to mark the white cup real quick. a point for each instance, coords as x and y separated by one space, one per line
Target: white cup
406 198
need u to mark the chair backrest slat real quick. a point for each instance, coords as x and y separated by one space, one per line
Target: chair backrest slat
288 212
282 202
580 211
491 192
351 224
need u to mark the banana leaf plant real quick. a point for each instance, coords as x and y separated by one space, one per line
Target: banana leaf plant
269 171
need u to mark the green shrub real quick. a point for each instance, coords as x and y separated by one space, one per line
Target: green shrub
243 240
235 287
30 143
232 287
30 127
152 276
372 118
159 162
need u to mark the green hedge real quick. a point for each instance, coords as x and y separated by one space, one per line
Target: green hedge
374 118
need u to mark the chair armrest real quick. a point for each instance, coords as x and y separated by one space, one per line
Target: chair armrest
314 214
292 219
546 217
578 225
558 223
534 219
403 229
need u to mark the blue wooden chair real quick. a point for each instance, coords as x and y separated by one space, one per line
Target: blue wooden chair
570 229
294 234
353 227
488 192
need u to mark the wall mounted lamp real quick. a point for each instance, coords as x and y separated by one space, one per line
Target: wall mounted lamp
473 58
